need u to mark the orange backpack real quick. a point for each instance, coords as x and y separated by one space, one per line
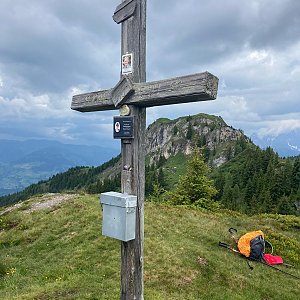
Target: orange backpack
252 244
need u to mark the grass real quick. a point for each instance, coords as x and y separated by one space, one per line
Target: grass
174 168
59 253
163 121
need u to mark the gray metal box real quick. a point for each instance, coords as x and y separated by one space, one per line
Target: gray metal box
119 213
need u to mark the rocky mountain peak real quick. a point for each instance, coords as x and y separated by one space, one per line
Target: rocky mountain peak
167 137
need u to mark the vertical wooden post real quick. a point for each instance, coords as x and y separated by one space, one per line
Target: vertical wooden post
197 87
133 158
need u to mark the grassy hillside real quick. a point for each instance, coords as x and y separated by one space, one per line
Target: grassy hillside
51 248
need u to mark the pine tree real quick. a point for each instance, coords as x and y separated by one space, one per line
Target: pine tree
265 202
201 141
227 195
238 199
296 174
150 179
195 187
249 191
219 184
161 178
157 193
175 130
190 132
161 161
228 152
286 206
253 206
206 153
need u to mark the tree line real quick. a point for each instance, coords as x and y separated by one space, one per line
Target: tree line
254 181
259 181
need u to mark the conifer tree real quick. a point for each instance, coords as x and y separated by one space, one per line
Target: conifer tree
238 199
296 174
265 202
286 206
249 191
161 178
201 141
195 187
175 130
190 132
253 205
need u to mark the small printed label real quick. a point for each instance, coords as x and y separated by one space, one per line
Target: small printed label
123 127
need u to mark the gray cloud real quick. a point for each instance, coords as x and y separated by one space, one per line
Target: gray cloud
49 43
50 50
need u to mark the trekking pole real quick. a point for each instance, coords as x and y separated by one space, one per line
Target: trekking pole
224 245
288 265
271 266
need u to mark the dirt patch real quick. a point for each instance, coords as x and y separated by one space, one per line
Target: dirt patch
202 261
186 280
10 208
49 201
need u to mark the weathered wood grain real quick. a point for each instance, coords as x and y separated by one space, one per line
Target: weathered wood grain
190 88
94 101
124 11
122 91
132 259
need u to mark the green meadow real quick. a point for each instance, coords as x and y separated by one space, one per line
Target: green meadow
58 252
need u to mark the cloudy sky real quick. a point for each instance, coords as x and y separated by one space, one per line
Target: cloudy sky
53 49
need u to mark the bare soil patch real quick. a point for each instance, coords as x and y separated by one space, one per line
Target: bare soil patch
49 200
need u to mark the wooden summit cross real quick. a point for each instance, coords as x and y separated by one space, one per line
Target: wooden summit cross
132 95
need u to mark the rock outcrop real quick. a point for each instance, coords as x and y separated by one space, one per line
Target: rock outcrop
168 137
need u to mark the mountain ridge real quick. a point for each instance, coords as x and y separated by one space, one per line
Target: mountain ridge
25 162
247 178
201 130
164 139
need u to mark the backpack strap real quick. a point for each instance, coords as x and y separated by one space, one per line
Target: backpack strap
233 233
269 245
257 247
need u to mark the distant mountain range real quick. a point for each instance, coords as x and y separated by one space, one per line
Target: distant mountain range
247 178
166 140
25 162
285 145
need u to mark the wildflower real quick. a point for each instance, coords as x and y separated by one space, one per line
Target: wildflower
11 271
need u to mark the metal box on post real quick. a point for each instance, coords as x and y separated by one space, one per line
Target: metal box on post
119 214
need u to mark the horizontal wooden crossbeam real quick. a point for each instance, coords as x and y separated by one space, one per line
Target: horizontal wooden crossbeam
190 88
